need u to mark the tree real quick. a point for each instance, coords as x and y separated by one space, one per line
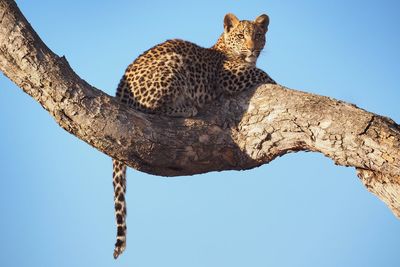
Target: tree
238 133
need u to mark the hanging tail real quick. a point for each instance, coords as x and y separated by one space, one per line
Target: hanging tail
119 182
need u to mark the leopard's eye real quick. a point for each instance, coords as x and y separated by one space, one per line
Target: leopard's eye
240 36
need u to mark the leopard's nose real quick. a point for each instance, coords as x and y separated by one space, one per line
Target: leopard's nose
251 52
250 45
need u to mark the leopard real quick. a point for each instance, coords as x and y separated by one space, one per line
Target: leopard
178 78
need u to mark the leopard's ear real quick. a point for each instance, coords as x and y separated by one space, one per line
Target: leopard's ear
262 21
230 21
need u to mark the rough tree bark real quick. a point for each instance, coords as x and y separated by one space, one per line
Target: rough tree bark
236 133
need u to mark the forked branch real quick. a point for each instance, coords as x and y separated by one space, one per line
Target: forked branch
236 133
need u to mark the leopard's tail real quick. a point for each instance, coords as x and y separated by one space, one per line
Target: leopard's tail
119 182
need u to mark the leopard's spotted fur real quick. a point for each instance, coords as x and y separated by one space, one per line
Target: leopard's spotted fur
176 78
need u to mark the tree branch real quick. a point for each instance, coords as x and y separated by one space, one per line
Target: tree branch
236 133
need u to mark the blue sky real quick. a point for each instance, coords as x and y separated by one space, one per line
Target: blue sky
56 198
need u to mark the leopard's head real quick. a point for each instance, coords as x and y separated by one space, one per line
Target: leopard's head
244 38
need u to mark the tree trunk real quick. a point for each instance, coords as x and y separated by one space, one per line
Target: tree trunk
235 133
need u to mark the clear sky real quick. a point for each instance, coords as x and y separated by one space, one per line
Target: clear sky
56 197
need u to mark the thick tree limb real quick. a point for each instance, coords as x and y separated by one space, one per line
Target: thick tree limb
238 133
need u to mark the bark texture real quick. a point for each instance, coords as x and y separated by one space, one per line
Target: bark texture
236 133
